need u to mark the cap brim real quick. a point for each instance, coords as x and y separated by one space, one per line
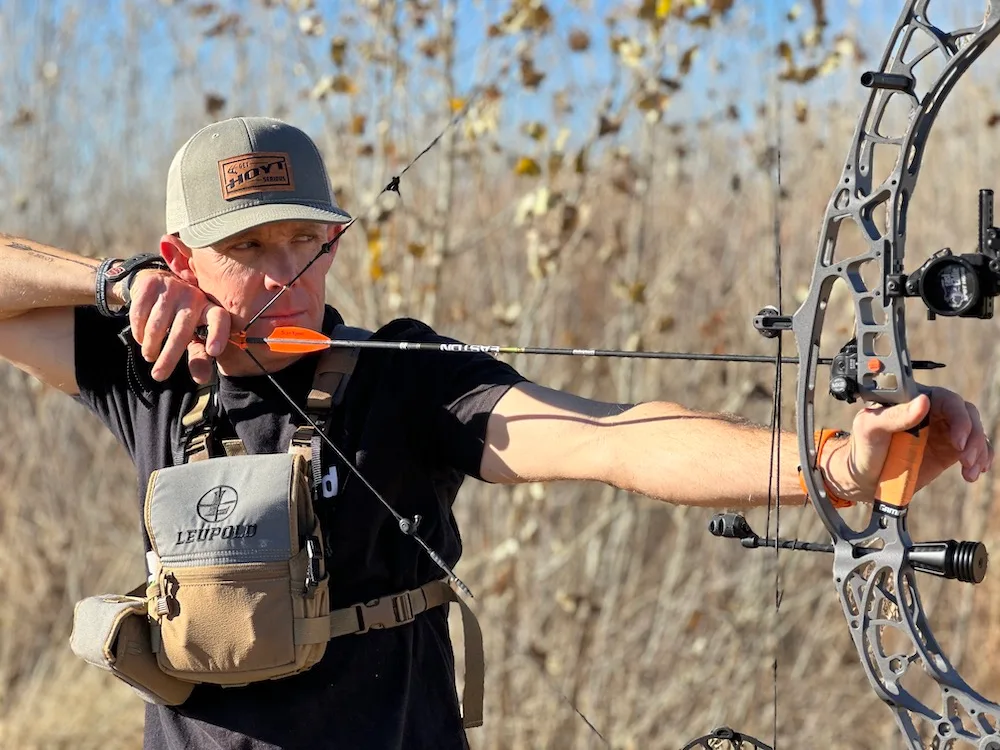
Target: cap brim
218 228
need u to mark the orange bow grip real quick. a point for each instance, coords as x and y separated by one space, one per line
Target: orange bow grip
898 480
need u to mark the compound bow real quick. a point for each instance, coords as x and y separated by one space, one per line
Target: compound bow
874 567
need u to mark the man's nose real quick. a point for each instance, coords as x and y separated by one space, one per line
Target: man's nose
279 267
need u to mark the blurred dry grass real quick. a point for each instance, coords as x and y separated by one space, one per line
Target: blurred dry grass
655 630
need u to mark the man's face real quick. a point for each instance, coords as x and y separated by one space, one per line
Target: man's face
243 272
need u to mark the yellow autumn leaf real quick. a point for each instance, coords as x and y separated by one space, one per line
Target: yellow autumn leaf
456 103
535 130
812 37
637 292
655 11
338 84
338 50
531 77
607 125
653 101
375 269
829 64
801 110
527 167
579 40
344 85
687 60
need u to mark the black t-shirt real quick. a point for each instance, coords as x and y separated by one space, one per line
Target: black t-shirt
414 424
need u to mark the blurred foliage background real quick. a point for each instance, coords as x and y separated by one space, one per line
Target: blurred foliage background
619 174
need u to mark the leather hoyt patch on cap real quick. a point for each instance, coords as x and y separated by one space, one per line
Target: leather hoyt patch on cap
255 173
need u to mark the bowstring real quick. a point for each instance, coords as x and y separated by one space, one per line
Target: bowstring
774 475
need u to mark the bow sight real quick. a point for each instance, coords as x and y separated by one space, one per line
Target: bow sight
957 285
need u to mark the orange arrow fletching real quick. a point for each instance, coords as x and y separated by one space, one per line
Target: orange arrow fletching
296 340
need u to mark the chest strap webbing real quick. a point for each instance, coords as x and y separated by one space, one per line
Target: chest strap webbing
400 609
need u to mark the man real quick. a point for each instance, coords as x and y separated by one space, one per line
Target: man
248 206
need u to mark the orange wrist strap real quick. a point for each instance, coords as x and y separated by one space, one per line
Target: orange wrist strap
821 437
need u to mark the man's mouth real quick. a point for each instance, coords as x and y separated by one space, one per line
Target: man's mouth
283 318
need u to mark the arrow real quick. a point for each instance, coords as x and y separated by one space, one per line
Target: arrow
299 340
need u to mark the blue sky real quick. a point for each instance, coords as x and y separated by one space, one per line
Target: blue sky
134 73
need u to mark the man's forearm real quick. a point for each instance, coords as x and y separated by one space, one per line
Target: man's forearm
33 275
665 451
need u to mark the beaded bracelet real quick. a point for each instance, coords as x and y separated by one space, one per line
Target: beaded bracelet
104 273
821 437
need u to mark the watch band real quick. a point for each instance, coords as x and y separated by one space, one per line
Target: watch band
132 266
112 270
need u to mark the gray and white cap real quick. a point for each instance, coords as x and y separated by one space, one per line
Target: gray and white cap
240 173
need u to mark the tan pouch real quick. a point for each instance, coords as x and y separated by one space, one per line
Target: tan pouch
112 632
239 563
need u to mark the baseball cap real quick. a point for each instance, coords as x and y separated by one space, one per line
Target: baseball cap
243 172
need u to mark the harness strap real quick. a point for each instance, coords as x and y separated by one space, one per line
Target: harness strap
196 425
333 371
234 447
401 609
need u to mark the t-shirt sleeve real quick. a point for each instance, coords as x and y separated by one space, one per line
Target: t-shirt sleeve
102 362
453 394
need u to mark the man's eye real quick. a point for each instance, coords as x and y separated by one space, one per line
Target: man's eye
305 238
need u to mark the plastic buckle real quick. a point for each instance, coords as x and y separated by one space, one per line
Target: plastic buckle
387 612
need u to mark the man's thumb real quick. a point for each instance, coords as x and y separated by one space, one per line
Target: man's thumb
902 416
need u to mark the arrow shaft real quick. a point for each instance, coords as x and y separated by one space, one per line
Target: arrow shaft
423 346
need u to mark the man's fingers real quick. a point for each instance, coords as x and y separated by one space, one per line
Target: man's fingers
200 364
155 330
219 325
181 332
961 417
976 450
163 316
146 291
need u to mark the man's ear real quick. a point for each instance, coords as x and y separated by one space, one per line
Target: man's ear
178 257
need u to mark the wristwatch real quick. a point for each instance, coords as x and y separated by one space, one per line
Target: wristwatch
113 270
